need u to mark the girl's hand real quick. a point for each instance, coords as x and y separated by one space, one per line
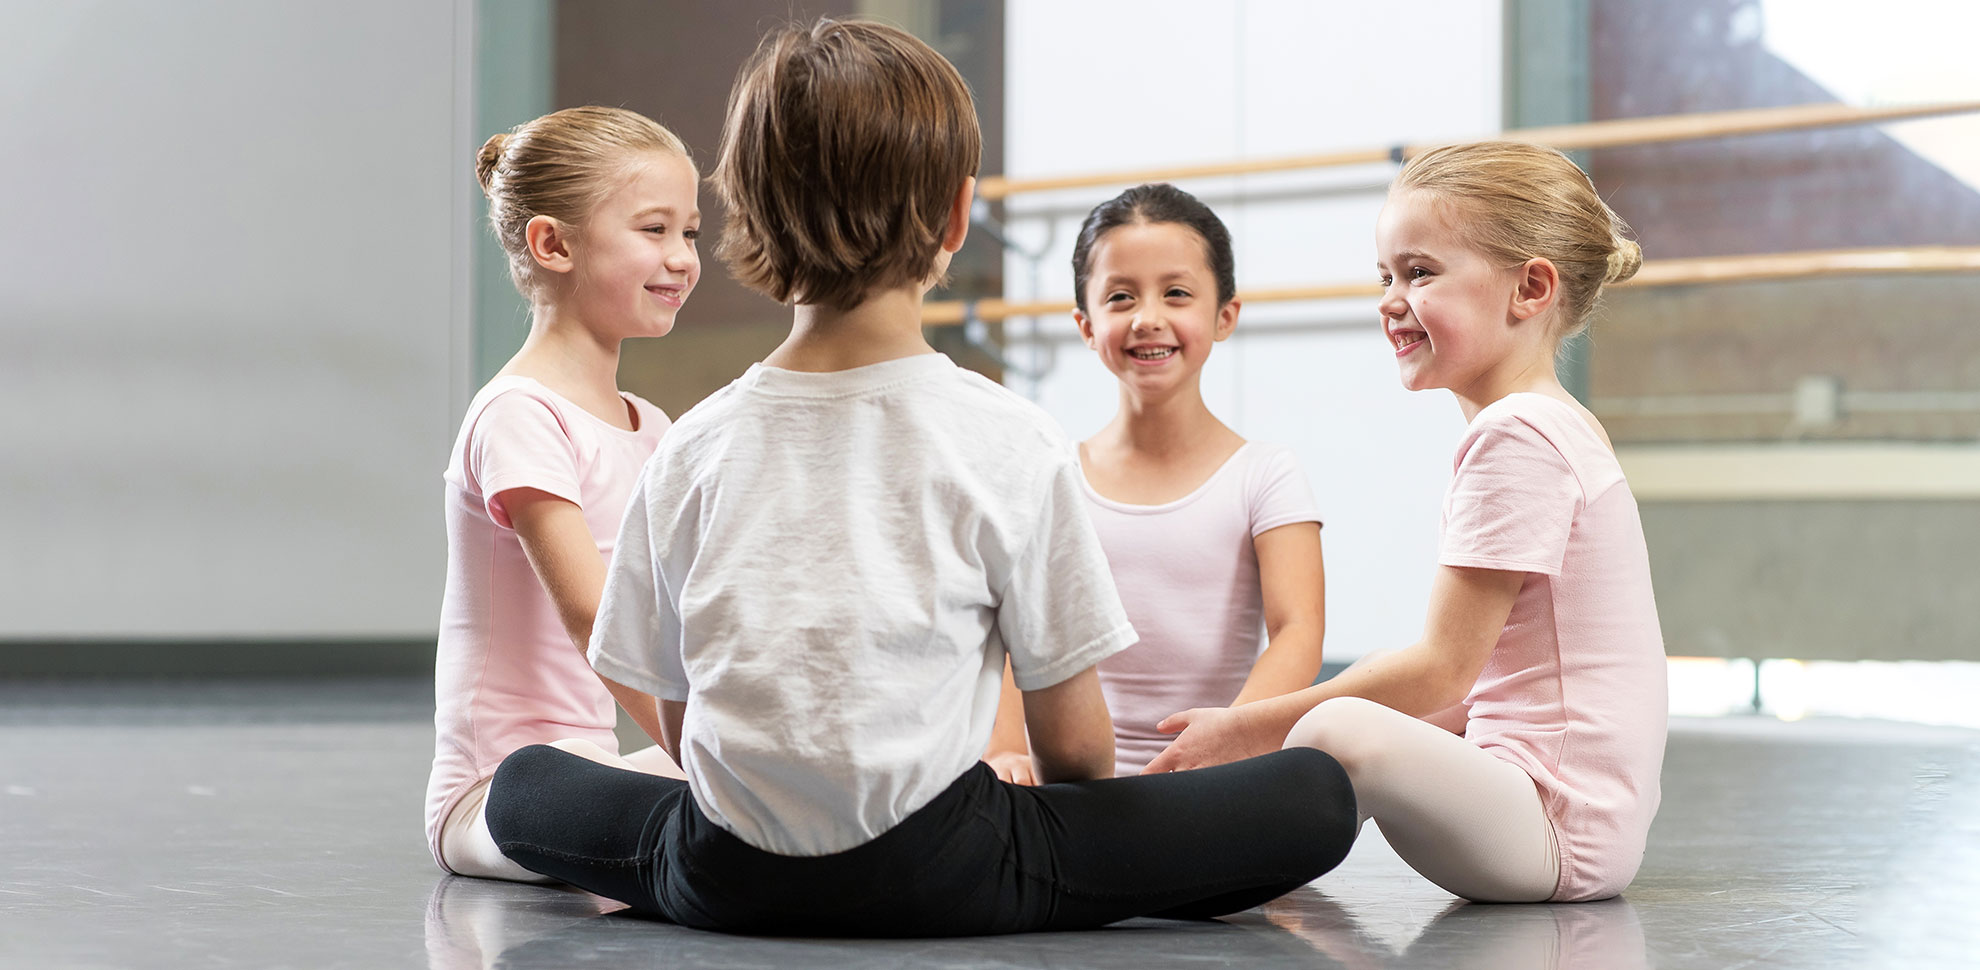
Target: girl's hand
1012 766
1213 736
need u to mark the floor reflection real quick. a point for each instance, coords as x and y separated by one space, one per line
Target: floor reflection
1469 936
474 924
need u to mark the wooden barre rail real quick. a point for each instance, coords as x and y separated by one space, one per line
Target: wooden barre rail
1655 273
1614 133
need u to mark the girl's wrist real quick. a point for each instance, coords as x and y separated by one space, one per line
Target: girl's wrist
1268 719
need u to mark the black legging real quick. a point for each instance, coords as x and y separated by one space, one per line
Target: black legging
983 857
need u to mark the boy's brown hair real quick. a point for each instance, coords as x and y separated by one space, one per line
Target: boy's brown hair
845 144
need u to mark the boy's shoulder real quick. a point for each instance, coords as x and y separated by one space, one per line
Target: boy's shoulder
949 403
711 418
997 397
987 410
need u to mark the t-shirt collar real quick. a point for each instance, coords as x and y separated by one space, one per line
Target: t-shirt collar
842 383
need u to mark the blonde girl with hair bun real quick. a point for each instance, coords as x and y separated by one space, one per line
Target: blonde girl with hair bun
596 211
1512 754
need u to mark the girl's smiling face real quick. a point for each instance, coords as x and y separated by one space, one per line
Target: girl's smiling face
1446 308
1152 306
637 257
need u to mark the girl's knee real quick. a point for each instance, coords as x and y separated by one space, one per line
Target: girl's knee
1345 727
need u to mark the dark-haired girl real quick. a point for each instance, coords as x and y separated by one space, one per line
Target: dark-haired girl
1214 541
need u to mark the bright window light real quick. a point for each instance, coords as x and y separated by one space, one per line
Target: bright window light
1921 692
1892 52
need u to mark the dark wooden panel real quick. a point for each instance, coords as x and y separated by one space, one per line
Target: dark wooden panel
676 62
1891 333
1820 189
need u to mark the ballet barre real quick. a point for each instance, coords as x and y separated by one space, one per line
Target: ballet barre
1614 133
1655 273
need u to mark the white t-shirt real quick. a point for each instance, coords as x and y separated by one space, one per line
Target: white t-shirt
1188 575
829 569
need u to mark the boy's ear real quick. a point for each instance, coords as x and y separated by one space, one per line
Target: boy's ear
952 237
549 244
1226 319
1085 328
1539 288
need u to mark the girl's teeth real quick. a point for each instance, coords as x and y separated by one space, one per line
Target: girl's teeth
1153 354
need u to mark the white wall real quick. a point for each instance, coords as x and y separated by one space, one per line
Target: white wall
232 314
1123 84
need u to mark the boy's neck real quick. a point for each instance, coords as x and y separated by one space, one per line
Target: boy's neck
885 326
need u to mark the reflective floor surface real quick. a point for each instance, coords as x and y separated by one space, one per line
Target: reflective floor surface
278 825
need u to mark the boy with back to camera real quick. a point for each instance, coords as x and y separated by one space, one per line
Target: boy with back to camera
825 565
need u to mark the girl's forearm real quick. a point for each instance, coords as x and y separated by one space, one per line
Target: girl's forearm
1007 734
1416 680
672 715
1413 680
1290 662
641 706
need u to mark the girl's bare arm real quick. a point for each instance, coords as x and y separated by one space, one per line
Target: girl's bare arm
1294 586
564 555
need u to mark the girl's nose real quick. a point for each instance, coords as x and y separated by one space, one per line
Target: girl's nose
1392 305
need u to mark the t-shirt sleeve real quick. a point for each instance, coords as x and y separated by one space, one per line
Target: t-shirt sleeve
1280 494
1511 503
519 441
636 639
1059 613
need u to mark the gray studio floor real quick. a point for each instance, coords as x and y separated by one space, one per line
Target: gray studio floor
278 825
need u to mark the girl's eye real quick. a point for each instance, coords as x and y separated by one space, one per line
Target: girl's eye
692 234
1418 272
1116 297
657 230
1178 293
1387 281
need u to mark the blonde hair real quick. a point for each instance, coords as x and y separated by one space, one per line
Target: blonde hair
845 144
560 165
1516 202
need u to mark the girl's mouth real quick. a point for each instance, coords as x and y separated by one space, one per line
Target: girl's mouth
673 296
1152 354
1407 340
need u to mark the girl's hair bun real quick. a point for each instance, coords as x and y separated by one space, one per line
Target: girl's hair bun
489 157
1624 261
559 166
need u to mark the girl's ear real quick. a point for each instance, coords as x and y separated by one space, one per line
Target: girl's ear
549 244
1085 329
1226 319
1539 287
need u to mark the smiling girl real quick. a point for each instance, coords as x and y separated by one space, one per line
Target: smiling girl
1542 651
595 208
1214 542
